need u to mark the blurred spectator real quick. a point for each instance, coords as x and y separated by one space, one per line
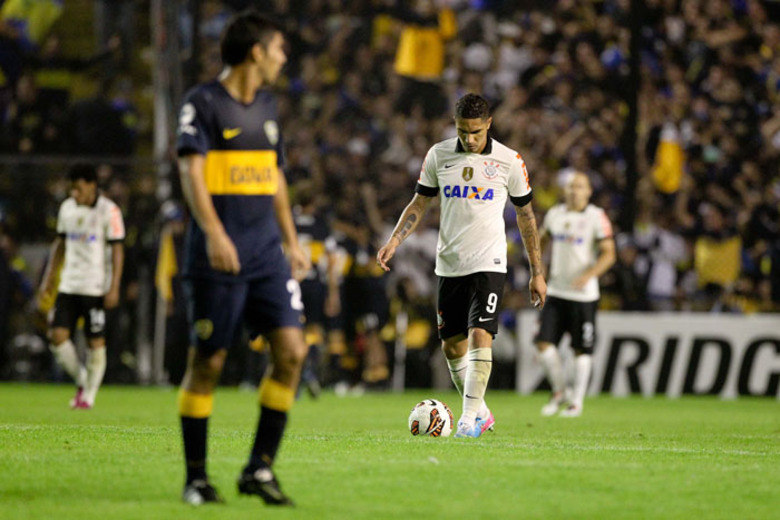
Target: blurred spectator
28 126
661 252
627 279
54 72
97 127
116 19
716 255
420 56
23 26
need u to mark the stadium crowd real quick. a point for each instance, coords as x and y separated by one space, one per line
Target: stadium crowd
370 85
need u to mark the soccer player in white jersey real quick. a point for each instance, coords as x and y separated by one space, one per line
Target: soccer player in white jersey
88 223
582 250
473 175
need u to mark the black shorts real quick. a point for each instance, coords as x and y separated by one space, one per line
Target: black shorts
68 308
313 294
364 304
264 304
470 301
576 318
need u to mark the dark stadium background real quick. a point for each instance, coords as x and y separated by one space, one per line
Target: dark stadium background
672 107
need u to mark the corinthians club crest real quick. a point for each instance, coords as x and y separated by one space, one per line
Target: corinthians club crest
490 170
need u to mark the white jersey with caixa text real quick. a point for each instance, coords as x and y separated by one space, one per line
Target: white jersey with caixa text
87 231
574 236
473 189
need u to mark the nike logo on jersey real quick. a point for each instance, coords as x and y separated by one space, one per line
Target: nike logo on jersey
481 320
446 166
230 133
471 397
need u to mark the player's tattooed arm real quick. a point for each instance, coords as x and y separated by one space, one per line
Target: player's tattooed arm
410 219
526 222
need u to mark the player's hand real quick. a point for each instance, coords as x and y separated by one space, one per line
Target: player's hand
538 288
111 299
222 253
579 282
299 262
386 253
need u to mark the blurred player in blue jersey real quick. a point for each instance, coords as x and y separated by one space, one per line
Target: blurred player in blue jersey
230 161
320 286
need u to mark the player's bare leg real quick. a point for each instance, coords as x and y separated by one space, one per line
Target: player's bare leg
277 393
480 361
376 372
96 369
553 369
455 349
196 400
65 353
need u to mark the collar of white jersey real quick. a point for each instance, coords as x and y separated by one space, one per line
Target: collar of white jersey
487 151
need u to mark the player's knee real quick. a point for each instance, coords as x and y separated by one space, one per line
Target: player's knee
97 343
541 346
291 358
208 367
480 337
450 347
59 335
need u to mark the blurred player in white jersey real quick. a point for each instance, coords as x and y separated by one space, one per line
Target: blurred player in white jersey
87 225
582 250
473 175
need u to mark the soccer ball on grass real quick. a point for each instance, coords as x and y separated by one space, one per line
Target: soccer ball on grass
431 417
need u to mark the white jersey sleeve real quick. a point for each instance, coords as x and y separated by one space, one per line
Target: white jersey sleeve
428 177
602 225
518 182
115 225
61 230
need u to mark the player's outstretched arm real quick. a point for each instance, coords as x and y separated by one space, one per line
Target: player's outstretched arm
219 247
526 223
410 219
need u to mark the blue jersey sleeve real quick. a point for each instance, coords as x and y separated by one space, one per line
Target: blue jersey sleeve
193 132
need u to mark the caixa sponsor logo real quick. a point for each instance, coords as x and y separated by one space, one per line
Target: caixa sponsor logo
82 237
569 239
468 192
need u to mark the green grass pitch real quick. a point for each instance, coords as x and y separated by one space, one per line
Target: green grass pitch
352 458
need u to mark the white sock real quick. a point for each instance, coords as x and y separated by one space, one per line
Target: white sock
570 371
458 367
582 377
96 368
477 375
67 357
553 368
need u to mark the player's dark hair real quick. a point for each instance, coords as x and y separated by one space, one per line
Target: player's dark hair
472 106
242 32
83 171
